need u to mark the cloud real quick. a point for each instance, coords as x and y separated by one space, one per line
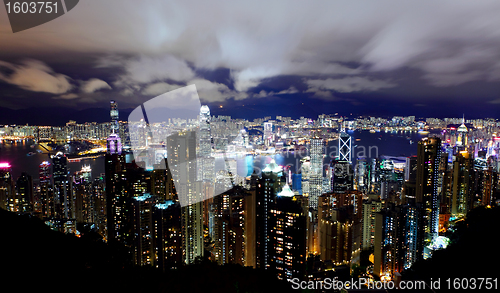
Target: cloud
264 94
159 88
164 41
94 84
36 76
216 92
349 84
145 69
69 96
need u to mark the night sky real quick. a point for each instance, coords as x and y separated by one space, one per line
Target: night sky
259 58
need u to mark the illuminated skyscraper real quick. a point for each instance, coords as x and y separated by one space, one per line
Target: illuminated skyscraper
461 201
114 117
181 148
398 240
428 159
267 188
24 193
206 167
287 236
6 186
62 194
116 198
345 146
370 208
45 196
316 174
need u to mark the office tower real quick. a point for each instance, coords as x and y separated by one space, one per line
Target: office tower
462 134
316 175
398 240
461 201
181 148
370 208
235 227
268 133
6 196
287 236
24 193
115 126
114 144
206 168
268 186
342 179
345 146
45 193
428 159
62 194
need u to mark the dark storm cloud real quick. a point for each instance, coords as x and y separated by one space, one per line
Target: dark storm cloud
336 47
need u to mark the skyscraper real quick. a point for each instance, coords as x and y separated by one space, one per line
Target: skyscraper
24 193
287 236
62 194
45 194
114 117
206 167
345 146
428 159
462 184
316 174
6 186
181 148
267 188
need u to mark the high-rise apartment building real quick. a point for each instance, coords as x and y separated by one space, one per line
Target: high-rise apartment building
428 159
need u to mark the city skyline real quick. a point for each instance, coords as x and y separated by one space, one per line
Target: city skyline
313 144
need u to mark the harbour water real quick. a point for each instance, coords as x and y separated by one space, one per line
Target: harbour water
370 145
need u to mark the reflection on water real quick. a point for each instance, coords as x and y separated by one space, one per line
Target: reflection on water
392 144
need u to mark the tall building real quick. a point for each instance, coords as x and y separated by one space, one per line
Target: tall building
461 201
62 194
24 193
287 236
206 167
45 194
339 226
266 190
181 148
116 198
345 146
428 159
115 126
235 227
268 133
370 208
342 176
316 174
6 196
398 239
